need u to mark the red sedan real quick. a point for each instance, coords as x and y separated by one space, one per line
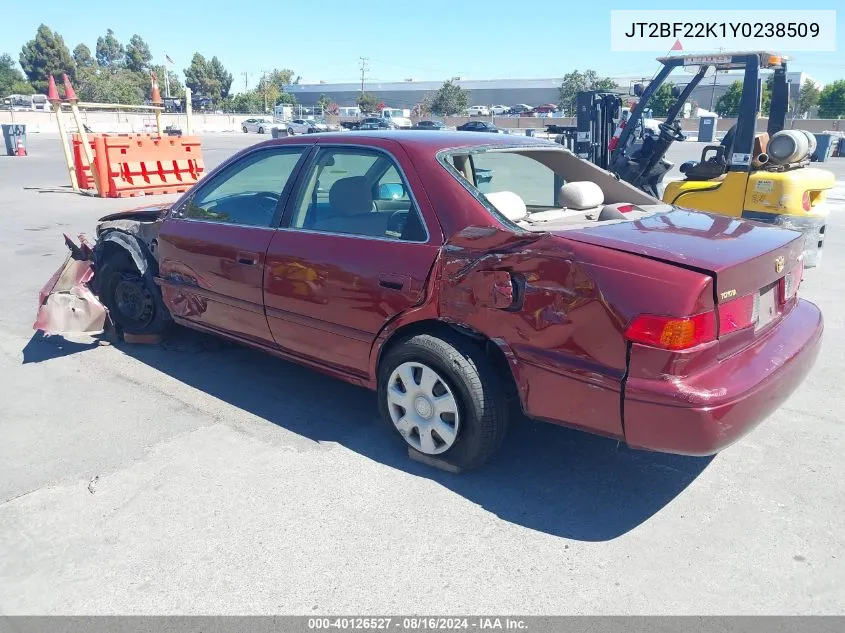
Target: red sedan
462 276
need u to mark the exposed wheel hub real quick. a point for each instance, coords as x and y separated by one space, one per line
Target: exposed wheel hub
133 299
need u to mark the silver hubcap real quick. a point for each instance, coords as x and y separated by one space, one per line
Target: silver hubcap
423 408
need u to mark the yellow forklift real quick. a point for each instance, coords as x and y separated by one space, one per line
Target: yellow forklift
764 177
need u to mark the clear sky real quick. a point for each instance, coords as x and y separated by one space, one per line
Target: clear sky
427 40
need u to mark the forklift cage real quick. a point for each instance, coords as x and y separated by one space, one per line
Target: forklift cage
746 125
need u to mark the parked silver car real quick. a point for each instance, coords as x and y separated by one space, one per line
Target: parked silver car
262 126
301 126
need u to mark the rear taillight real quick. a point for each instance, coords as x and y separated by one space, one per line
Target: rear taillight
805 201
625 208
737 314
672 332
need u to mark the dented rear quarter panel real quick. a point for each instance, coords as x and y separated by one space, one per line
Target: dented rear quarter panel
565 337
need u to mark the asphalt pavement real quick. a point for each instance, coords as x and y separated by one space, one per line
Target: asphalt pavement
202 477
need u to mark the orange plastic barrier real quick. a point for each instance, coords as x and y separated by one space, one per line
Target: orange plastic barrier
83 170
140 164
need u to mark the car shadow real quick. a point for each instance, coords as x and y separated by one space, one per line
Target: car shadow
547 478
41 347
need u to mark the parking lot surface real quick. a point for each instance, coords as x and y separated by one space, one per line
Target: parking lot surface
202 477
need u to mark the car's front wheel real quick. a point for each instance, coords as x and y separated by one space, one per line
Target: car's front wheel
290 131
133 300
444 398
245 129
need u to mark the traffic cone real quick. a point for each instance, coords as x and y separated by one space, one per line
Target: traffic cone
155 94
21 150
52 92
70 95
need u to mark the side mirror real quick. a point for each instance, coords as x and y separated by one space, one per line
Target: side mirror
676 91
391 191
639 89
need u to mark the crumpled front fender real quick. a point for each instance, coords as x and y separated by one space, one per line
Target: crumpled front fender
66 305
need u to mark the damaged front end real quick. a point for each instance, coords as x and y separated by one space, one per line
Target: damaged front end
66 303
69 304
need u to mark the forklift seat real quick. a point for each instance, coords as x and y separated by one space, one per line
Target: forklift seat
714 166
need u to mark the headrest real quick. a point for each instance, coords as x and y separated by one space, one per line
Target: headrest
584 194
350 196
508 204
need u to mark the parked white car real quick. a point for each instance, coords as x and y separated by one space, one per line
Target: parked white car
262 126
500 109
301 126
478 110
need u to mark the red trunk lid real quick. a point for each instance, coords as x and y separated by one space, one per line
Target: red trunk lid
743 257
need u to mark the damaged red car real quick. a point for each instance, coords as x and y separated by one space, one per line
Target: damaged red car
466 277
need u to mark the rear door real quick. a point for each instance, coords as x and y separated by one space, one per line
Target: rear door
212 248
354 251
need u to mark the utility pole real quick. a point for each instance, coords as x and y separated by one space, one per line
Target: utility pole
246 81
364 70
264 83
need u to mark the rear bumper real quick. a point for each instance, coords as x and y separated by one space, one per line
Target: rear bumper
704 413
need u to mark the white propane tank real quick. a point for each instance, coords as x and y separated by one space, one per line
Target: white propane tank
788 146
812 138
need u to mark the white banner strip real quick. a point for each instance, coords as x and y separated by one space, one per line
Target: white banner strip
680 31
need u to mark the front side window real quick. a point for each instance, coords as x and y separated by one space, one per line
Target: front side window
249 192
357 191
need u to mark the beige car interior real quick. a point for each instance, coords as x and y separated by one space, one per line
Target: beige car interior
589 194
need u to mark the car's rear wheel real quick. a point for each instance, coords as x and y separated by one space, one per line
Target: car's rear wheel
444 397
133 300
261 130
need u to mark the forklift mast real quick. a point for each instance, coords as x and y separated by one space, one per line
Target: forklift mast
644 165
596 116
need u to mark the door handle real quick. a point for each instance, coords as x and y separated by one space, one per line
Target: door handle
392 281
248 259
390 285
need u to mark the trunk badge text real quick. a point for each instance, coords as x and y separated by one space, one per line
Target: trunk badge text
779 264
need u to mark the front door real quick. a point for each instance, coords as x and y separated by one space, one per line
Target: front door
212 248
356 252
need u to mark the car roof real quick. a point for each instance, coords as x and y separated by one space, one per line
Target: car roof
429 143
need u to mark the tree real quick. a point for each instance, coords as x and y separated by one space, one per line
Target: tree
223 77
727 105
138 55
208 78
10 76
450 98
46 55
83 58
808 97
117 85
367 102
245 103
662 100
576 82
323 102
110 51
832 100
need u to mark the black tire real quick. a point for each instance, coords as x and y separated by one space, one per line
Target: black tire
473 380
290 131
261 130
246 131
133 300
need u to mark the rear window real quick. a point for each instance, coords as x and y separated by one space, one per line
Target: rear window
529 179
